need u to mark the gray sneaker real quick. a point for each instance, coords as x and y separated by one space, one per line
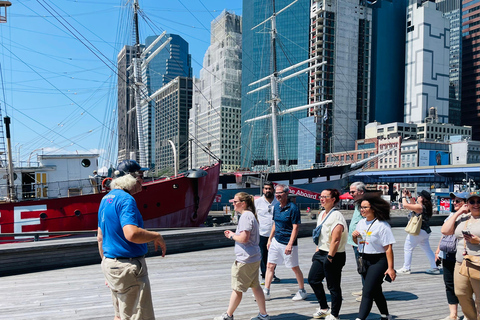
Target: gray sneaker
259 317
224 316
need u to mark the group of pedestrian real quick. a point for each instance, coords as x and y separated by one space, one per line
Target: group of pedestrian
372 234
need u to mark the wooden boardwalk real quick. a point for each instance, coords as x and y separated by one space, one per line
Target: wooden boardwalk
196 285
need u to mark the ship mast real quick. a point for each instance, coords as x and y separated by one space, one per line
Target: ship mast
275 80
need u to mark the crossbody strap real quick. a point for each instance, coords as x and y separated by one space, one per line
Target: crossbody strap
366 236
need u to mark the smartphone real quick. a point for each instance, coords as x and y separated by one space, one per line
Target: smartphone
466 233
387 278
438 262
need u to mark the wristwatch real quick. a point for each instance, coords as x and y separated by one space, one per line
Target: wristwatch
231 237
330 257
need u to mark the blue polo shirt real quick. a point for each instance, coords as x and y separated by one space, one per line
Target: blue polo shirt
118 209
284 219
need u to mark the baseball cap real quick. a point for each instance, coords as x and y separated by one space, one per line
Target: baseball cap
473 194
128 166
461 195
425 194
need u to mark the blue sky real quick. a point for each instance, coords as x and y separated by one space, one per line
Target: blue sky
57 63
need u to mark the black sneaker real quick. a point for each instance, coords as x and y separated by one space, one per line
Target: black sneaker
276 280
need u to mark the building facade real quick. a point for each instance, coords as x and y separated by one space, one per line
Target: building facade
470 66
216 113
172 106
340 35
451 10
427 62
257 63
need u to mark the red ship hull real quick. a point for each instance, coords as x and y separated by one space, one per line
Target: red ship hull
168 203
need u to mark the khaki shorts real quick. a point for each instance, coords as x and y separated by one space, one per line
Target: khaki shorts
130 288
245 275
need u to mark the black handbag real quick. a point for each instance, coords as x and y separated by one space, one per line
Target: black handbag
361 266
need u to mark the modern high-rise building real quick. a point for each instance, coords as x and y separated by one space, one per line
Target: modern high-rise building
160 68
451 10
127 115
172 106
257 62
340 35
470 66
216 113
388 60
426 62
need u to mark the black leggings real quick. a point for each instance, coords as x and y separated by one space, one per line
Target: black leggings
448 269
372 285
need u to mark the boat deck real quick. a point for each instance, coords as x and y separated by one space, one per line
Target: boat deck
196 286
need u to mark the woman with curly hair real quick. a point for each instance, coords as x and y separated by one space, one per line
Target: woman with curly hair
374 238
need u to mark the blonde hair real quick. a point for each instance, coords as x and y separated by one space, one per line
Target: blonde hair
126 182
249 201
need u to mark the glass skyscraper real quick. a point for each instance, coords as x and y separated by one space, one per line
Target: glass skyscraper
291 47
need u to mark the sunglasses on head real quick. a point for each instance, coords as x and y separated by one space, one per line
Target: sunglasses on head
474 201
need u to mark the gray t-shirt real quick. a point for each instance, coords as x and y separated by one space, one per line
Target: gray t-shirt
249 251
474 227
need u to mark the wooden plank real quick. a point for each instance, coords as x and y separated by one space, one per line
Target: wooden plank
196 285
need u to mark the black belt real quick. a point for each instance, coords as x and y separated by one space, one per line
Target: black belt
127 258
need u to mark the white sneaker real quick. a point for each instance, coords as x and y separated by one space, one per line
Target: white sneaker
383 317
267 294
357 293
319 314
433 271
403 271
331 317
262 283
300 295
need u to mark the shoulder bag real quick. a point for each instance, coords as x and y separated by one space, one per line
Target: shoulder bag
361 266
316 232
470 266
448 243
414 224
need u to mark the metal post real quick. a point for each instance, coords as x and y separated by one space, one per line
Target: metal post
174 157
11 180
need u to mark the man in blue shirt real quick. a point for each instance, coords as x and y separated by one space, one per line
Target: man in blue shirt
122 243
282 244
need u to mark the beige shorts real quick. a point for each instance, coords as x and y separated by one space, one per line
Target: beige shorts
130 288
245 275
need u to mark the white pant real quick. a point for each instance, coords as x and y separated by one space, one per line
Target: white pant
421 240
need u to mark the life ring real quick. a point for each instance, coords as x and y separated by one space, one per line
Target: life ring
106 183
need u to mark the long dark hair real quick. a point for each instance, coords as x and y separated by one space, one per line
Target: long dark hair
380 207
428 206
249 201
334 193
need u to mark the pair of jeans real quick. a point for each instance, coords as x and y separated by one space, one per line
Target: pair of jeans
376 265
321 269
411 242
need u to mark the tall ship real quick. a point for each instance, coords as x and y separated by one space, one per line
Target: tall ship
60 194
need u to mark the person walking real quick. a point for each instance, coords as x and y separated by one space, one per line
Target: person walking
247 258
122 244
329 257
357 190
374 237
448 260
465 224
264 206
282 244
422 206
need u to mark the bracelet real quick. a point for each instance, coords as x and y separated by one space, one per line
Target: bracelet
231 237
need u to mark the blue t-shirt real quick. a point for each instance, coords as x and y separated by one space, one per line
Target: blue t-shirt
284 219
118 209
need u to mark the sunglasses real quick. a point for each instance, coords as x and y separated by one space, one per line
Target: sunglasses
474 202
325 197
235 201
459 201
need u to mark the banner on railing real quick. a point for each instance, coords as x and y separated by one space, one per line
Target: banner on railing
303 193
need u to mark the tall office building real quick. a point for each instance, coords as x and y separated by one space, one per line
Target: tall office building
470 67
172 61
426 62
127 115
172 105
451 10
215 115
340 35
292 48
388 60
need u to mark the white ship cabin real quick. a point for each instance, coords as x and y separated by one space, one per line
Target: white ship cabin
54 176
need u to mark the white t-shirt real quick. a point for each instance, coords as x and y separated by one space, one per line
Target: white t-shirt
379 235
265 215
250 251
332 221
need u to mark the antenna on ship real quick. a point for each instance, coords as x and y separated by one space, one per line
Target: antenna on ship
275 80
